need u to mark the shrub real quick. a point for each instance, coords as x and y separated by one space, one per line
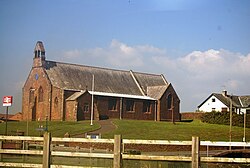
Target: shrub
224 118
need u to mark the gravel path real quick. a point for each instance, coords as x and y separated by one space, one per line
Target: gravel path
106 126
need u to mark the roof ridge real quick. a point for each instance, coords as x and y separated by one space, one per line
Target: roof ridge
147 73
106 68
81 65
136 82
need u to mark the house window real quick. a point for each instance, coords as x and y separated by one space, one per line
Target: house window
130 105
223 109
86 108
213 99
112 104
31 95
146 106
213 109
169 101
248 111
40 95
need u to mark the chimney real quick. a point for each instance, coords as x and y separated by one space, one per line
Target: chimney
224 93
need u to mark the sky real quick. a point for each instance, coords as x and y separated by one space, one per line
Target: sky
200 46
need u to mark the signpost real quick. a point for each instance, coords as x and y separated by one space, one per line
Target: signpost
7 102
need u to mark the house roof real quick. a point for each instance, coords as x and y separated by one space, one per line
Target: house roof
245 101
237 101
226 99
79 77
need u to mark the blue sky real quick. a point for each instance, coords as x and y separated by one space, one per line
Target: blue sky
200 46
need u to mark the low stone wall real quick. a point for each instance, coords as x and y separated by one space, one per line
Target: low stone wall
191 115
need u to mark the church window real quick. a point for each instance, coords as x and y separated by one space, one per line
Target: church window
31 95
112 104
86 108
40 95
130 105
169 101
56 102
146 106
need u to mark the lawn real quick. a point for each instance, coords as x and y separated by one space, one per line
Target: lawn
57 128
135 129
132 129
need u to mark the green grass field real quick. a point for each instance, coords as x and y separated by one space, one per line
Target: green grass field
57 128
135 129
132 129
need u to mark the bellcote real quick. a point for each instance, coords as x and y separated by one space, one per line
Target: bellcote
39 54
39 50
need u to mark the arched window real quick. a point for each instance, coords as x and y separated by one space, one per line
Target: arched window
169 101
31 95
56 102
40 94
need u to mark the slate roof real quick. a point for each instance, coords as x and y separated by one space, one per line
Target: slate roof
147 80
237 101
226 99
156 92
245 101
79 77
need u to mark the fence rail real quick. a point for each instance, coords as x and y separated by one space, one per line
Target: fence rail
118 155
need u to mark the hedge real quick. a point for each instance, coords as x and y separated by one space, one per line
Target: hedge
224 118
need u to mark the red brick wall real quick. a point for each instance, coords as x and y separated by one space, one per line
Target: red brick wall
71 109
138 114
57 99
191 115
165 113
36 79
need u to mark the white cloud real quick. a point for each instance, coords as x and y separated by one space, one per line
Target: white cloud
72 54
117 54
198 74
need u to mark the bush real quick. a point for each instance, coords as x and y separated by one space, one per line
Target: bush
224 118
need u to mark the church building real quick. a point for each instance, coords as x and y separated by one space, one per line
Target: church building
70 92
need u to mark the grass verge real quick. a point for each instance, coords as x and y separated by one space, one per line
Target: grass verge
134 129
57 128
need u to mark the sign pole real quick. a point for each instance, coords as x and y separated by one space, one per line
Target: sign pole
6 121
7 101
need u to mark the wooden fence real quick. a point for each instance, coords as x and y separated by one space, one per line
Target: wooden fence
118 155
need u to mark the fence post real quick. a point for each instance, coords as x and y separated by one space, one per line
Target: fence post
46 150
117 162
25 147
195 152
1 146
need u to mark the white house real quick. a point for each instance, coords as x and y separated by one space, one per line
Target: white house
221 102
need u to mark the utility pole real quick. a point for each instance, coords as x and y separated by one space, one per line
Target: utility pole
92 101
245 118
231 118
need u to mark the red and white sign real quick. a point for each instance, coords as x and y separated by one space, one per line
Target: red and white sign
7 100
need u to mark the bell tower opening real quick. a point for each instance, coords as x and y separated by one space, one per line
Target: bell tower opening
39 54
